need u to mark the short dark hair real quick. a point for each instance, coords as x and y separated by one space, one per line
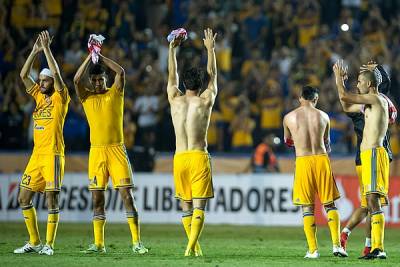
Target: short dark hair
309 92
97 69
193 79
370 76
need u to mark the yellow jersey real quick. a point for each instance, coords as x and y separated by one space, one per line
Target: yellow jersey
104 113
49 117
271 113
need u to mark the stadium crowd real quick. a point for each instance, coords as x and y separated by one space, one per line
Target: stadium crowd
266 51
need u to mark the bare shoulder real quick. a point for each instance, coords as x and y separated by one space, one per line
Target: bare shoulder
323 115
289 115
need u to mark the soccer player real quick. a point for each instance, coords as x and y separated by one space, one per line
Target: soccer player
357 117
107 157
374 157
191 116
307 129
45 169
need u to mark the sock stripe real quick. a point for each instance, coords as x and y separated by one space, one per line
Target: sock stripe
330 209
27 207
131 214
199 208
54 211
376 212
99 217
308 214
187 213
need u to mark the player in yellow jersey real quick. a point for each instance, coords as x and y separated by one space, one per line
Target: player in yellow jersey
45 169
107 157
190 114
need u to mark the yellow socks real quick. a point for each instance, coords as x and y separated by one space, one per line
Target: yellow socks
99 222
334 225
30 217
195 230
187 225
133 221
310 231
52 223
378 229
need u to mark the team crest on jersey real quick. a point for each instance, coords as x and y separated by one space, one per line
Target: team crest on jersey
93 181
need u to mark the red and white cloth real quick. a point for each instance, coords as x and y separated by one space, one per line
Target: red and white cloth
392 110
180 32
94 46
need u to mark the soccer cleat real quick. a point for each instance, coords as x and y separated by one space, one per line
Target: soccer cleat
343 239
46 250
366 250
339 252
94 249
28 248
198 253
139 249
189 253
314 255
375 254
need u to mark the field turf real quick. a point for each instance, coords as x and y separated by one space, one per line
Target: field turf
223 245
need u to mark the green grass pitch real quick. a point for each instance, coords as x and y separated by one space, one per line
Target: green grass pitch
223 245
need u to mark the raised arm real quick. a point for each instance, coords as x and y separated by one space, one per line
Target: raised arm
212 89
340 76
173 77
45 41
119 79
78 83
26 69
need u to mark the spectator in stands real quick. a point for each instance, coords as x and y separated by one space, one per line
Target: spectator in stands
264 159
242 127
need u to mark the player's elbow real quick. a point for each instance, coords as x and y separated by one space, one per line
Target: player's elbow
23 75
121 73
343 98
77 79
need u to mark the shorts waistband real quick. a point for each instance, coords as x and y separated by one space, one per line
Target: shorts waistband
108 145
313 156
187 152
370 149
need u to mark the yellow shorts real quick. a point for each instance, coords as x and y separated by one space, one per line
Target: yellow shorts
43 173
106 161
363 197
314 175
375 171
192 175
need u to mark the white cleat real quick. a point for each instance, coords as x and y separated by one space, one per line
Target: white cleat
339 252
28 248
314 255
139 249
46 250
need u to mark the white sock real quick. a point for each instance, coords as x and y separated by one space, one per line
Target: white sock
346 230
368 242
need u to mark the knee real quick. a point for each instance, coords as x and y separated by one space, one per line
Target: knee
98 201
52 200
126 195
329 206
307 209
24 200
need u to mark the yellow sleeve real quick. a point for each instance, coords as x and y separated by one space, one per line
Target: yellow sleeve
34 90
64 95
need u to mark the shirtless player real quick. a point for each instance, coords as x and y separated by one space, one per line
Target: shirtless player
307 129
191 117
